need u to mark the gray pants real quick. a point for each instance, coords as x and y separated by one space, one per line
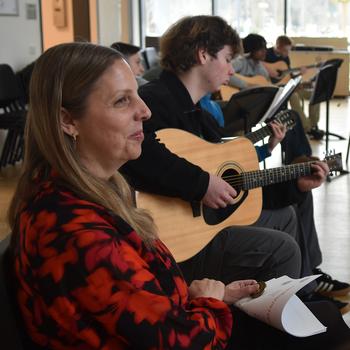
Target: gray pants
283 219
243 252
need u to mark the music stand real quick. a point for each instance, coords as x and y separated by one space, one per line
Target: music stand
256 105
246 108
324 88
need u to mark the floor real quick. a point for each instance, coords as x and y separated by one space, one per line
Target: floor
331 201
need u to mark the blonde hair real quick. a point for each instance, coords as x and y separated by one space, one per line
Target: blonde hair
63 77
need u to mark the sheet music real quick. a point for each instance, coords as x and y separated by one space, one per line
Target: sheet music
281 96
279 307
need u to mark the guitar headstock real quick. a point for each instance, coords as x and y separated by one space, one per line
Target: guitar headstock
334 161
285 117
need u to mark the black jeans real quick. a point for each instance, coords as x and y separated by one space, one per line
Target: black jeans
251 334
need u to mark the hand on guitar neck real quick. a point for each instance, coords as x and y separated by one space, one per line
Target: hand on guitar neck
320 171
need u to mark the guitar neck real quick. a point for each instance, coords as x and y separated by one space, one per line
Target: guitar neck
297 69
258 135
260 178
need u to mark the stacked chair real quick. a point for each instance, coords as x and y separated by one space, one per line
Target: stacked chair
12 116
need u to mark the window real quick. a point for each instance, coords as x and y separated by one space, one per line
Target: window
158 15
318 18
264 17
312 18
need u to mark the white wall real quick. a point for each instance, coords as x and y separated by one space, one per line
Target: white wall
109 21
20 41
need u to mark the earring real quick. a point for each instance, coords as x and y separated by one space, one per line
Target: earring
74 136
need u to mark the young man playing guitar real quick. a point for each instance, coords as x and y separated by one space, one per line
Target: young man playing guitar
280 54
196 57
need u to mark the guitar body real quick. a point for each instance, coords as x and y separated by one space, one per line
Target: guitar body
256 80
186 234
284 71
278 66
227 91
282 68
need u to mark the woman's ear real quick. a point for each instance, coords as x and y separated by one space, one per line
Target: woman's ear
68 124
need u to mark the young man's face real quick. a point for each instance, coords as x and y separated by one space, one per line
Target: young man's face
218 70
259 55
284 50
136 65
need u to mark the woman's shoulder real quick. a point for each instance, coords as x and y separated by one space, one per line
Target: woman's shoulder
57 208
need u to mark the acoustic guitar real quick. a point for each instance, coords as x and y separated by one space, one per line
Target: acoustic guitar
284 72
227 91
284 117
187 227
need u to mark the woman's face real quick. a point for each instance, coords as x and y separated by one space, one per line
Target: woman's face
109 133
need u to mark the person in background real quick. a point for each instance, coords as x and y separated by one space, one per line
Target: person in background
250 64
174 102
280 52
295 145
173 107
133 56
325 287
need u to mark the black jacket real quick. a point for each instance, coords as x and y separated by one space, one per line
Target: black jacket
162 172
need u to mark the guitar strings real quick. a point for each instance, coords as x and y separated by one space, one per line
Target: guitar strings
302 169
238 179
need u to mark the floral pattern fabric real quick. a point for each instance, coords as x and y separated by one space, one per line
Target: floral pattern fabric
87 281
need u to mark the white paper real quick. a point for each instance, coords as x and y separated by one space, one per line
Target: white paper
279 307
280 97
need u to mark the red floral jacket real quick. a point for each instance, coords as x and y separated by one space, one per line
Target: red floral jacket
87 281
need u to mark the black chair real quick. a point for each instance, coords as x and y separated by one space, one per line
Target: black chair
13 117
324 88
23 77
150 56
9 331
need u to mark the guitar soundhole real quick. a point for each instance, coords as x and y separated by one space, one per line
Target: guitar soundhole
216 216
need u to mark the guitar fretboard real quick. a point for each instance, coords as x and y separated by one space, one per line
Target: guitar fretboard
258 135
259 178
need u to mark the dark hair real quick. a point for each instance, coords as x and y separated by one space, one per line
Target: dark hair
253 42
126 49
283 40
180 43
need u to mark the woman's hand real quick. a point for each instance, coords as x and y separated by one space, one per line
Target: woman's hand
239 289
278 133
219 193
207 288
